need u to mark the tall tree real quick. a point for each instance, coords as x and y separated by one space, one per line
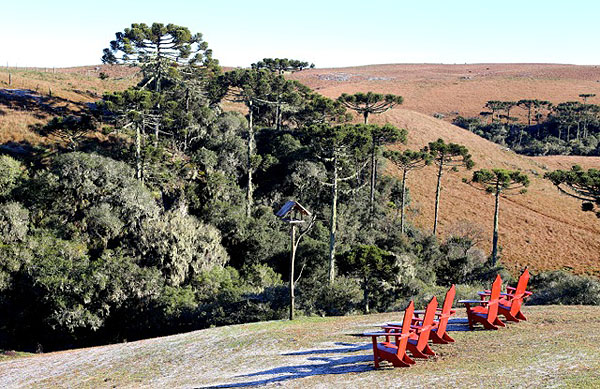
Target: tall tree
372 265
367 104
136 109
280 66
494 106
248 86
159 50
586 96
499 182
407 161
446 155
581 184
340 148
381 135
370 103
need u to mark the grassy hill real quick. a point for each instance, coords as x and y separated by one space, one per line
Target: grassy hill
462 89
542 229
558 347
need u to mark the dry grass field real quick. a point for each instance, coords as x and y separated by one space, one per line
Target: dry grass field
542 229
558 347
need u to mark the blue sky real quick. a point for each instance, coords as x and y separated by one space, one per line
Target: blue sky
328 33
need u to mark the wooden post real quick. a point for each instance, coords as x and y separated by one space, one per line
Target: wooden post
9 79
292 264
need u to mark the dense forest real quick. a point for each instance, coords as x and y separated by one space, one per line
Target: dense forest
568 128
155 212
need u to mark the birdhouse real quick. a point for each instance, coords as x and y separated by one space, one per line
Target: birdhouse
292 212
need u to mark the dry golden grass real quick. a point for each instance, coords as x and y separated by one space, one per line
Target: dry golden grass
447 89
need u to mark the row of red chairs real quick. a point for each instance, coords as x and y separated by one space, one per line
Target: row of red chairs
418 328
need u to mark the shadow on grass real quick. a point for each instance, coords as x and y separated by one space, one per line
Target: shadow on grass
318 365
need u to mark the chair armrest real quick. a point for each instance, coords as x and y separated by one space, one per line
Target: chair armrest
472 302
377 334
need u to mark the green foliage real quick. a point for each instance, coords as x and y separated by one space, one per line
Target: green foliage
12 174
180 246
14 222
560 287
580 184
282 65
449 154
500 180
370 103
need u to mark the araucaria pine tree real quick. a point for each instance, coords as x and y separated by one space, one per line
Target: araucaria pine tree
500 182
581 184
407 161
340 148
367 104
445 156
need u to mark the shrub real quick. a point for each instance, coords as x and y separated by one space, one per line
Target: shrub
560 287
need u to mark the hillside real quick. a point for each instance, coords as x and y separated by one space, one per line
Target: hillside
542 229
458 89
558 346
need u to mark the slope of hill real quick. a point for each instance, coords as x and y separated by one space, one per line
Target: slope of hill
458 89
558 347
542 228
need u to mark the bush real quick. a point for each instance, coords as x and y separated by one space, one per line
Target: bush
563 288
12 173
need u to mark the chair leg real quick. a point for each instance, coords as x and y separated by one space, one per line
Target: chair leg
520 316
499 322
447 338
435 338
407 359
416 353
375 354
427 350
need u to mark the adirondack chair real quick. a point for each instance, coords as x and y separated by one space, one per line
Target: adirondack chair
394 352
438 334
487 312
419 336
510 303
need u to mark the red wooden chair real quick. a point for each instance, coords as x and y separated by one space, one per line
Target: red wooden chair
394 352
438 334
419 336
510 303
487 312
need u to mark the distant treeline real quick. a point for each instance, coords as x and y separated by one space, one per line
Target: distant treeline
568 128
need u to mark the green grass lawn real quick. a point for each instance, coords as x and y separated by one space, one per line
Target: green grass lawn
558 347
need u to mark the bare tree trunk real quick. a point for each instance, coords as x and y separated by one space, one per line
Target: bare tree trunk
495 238
366 295
250 189
292 264
403 202
437 197
333 223
138 152
373 178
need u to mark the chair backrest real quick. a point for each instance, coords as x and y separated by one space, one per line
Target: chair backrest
427 323
494 297
517 300
443 322
406 322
